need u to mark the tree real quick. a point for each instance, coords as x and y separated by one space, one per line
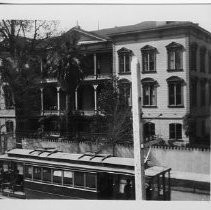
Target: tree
189 125
21 50
114 117
66 63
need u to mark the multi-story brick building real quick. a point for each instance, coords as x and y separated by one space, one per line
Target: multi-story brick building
175 62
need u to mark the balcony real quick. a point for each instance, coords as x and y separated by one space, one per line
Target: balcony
101 76
85 112
52 112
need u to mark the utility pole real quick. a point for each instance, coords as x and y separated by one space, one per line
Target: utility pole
137 131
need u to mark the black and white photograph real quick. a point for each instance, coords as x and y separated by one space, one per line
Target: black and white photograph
105 101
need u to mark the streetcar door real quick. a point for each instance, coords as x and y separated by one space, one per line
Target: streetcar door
105 186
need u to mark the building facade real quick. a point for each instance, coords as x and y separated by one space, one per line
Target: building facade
175 62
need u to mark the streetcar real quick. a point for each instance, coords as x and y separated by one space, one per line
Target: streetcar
51 174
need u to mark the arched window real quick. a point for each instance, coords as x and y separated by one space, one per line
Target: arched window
175 90
175 54
149 130
175 131
149 92
148 59
124 60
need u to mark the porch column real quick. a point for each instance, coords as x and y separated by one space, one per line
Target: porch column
58 99
76 99
95 96
41 66
42 106
95 64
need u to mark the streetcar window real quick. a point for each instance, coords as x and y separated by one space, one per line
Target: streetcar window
79 179
46 174
68 178
91 180
5 166
28 171
122 184
37 173
20 168
57 176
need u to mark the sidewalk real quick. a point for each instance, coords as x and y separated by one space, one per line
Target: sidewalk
190 176
190 182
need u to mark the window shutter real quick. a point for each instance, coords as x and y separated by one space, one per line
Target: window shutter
145 61
172 131
127 63
178 59
171 94
178 131
152 61
178 94
171 60
121 63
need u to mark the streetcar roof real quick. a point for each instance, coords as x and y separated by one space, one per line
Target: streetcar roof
79 161
71 156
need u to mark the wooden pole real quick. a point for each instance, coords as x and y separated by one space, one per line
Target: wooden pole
137 131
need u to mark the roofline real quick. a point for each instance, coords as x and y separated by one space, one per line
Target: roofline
89 33
194 25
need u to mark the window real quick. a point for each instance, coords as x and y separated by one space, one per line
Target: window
5 166
175 91
46 174
37 173
193 57
91 180
149 92
149 130
68 178
124 60
9 127
193 92
148 59
79 179
175 54
203 92
20 168
202 59
125 92
57 176
175 131
123 182
28 171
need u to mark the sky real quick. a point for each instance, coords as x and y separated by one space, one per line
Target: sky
90 17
